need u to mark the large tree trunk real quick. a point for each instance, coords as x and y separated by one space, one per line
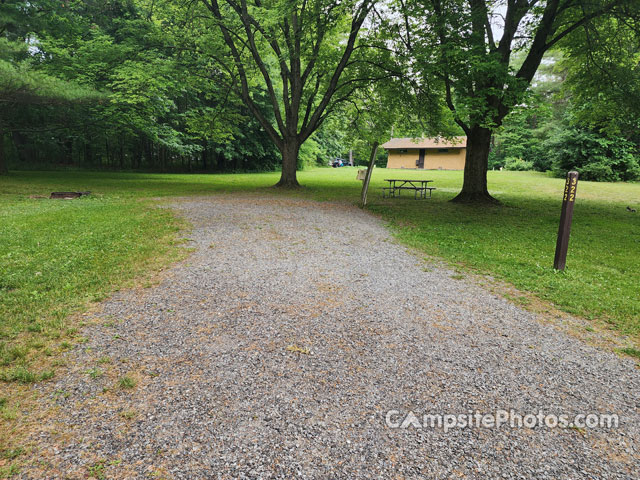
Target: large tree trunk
3 159
474 188
290 150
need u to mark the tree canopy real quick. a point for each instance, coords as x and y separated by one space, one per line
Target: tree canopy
265 84
468 46
302 55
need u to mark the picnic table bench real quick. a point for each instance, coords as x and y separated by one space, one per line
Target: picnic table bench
397 185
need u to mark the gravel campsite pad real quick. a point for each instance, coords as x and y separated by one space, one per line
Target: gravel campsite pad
279 347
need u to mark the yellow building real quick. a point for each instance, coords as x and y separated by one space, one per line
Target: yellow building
426 153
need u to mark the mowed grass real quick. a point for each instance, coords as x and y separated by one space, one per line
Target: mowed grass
515 242
58 256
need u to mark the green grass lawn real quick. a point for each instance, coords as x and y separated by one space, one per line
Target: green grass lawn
515 242
57 256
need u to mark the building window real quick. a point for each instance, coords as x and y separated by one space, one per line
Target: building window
403 150
443 150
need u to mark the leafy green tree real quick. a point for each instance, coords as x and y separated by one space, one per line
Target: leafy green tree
576 116
476 65
24 87
301 54
21 87
160 101
603 76
522 135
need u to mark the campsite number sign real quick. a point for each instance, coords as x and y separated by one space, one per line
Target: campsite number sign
568 200
570 188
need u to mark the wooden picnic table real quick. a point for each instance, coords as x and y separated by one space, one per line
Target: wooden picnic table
399 184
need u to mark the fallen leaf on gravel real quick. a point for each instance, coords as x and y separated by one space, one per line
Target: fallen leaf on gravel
295 348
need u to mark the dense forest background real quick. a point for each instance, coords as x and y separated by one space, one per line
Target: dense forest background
134 85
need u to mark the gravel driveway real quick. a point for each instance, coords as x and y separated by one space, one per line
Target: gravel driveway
278 348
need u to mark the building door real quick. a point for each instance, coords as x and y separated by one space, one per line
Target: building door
420 163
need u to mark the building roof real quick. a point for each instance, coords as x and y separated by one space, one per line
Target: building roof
413 143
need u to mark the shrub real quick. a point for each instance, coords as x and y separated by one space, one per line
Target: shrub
595 157
541 160
517 164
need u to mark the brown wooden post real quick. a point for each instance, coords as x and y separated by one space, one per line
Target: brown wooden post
568 199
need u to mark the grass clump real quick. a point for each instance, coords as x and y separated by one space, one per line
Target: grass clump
7 412
22 374
104 360
95 373
128 414
632 352
126 382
